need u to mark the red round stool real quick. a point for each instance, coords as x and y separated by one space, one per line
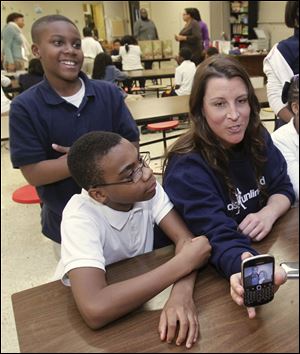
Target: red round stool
163 127
26 195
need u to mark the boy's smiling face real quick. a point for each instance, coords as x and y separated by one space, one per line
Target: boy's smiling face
119 165
59 49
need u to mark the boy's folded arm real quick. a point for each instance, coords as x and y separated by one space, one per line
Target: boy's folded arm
100 303
46 172
175 228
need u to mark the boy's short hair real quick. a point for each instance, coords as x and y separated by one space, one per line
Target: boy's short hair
212 51
185 53
45 20
35 67
87 32
290 91
86 154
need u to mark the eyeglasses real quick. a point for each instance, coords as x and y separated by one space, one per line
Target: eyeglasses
135 175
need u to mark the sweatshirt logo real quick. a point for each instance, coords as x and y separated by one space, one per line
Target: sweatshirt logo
241 200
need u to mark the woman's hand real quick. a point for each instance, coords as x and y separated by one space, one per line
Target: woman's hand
237 289
180 38
257 225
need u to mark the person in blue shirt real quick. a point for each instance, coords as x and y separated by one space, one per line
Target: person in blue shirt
224 176
35 75
104 69
49 117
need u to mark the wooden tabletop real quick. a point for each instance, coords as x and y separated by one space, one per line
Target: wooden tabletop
157 109
47 319
151 109
151 74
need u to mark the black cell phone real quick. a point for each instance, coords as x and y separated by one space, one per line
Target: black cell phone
258 279
291 269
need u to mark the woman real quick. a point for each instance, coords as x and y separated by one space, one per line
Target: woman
224 176
203 28
190 36
16 48
282 63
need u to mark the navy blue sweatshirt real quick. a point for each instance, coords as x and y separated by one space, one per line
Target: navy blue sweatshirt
202 200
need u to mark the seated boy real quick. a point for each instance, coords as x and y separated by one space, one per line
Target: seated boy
112 219
184 74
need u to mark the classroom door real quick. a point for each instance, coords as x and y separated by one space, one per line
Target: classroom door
98 16
134 10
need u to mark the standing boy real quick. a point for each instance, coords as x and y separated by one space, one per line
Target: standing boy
112 219
47 118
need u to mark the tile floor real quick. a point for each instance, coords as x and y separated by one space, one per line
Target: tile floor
27 257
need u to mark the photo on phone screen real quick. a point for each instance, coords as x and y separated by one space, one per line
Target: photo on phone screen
258 280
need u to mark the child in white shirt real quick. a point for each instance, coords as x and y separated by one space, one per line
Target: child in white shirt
112 219
286 138
184 73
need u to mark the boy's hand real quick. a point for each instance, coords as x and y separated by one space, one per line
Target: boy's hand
195 252
63 149
237 289
183 313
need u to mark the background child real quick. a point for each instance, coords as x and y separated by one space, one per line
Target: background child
130 53
48 118
210 51
35 75
184 73
112 219
115 54
286 138
105 70
90 47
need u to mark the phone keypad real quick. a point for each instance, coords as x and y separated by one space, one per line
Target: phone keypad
258 295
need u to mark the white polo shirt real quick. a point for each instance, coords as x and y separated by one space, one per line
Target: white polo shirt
184 76
94 235
286 140
90 47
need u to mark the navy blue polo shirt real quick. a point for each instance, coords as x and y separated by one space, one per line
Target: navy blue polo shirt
39 117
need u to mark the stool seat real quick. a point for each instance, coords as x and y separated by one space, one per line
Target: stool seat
170 124
26 195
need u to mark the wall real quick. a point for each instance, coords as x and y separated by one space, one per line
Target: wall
116 16
271 19
219 15
167 15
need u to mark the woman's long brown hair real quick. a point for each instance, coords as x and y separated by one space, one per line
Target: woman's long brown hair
201 139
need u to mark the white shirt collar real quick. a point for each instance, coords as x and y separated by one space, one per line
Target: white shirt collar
117 219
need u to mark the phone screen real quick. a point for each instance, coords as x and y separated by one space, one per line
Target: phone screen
258 280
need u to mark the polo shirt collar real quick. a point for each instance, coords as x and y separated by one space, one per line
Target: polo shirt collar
117 219
53 98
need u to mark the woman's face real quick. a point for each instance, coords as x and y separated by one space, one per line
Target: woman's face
20 22
226 109
186 17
